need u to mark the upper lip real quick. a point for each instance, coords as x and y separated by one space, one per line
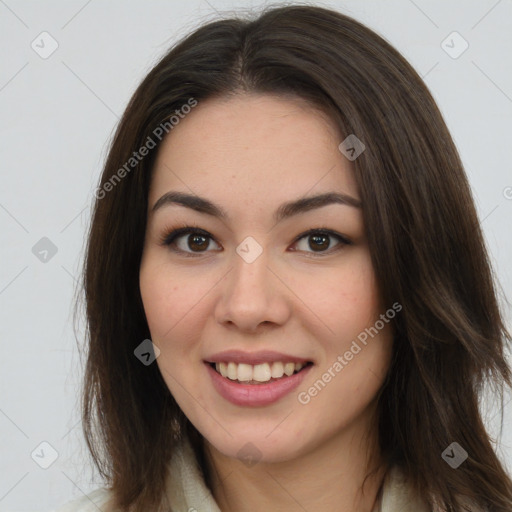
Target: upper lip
252 358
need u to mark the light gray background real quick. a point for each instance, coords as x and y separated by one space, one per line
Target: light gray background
57 116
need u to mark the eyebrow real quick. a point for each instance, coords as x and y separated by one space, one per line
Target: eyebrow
286 210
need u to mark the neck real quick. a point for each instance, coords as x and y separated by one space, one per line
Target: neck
329 477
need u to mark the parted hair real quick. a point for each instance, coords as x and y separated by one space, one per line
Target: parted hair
423 233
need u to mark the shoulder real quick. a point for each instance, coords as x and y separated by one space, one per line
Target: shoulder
398 496
87 503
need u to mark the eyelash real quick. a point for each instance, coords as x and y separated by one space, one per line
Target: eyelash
169 238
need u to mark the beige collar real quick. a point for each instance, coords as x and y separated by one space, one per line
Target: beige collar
186 490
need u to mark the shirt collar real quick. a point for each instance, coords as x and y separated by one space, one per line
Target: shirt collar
187 491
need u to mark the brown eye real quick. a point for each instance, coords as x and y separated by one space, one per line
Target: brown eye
319 241
192 241
199 242
188 240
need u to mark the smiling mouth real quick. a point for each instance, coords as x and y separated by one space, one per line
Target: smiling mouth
264 373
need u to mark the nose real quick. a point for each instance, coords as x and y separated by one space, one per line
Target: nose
252 295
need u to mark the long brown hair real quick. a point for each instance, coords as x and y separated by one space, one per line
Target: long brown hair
423 233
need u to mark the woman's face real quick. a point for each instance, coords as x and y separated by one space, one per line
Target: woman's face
256 283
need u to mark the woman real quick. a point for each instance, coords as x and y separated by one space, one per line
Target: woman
289 301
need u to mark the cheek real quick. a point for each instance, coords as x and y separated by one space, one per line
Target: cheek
345 297
168 296
156 293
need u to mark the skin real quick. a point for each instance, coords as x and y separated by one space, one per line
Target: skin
249 154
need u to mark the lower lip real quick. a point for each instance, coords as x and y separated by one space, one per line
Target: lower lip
256 394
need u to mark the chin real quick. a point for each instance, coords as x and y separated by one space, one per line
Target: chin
255 446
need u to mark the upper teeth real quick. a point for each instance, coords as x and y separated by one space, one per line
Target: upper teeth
259 372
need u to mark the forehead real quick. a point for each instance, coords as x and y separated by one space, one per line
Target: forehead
255 149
